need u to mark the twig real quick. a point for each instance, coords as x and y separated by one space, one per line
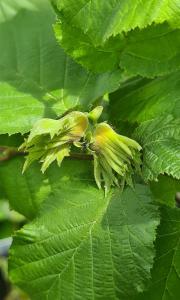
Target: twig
8 153
80 156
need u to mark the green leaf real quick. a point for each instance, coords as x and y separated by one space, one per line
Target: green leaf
88 247
37 79
166 271
140 99
160 139
110 18
137 53
165 190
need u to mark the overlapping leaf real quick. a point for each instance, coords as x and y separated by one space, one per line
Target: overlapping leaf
160 139
93 33
80 47
89 246
140 99
138 53
102 19
36 77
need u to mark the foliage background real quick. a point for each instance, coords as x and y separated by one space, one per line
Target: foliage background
79 244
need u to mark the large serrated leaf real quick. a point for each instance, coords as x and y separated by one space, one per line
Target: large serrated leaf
160 139
102 19
37 78
138 53
103 35
88 247
26 193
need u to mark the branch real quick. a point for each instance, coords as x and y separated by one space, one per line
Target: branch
8 153
80 156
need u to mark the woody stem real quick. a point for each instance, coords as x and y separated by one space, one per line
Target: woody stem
6 153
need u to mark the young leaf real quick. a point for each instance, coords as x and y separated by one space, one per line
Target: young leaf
119 230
